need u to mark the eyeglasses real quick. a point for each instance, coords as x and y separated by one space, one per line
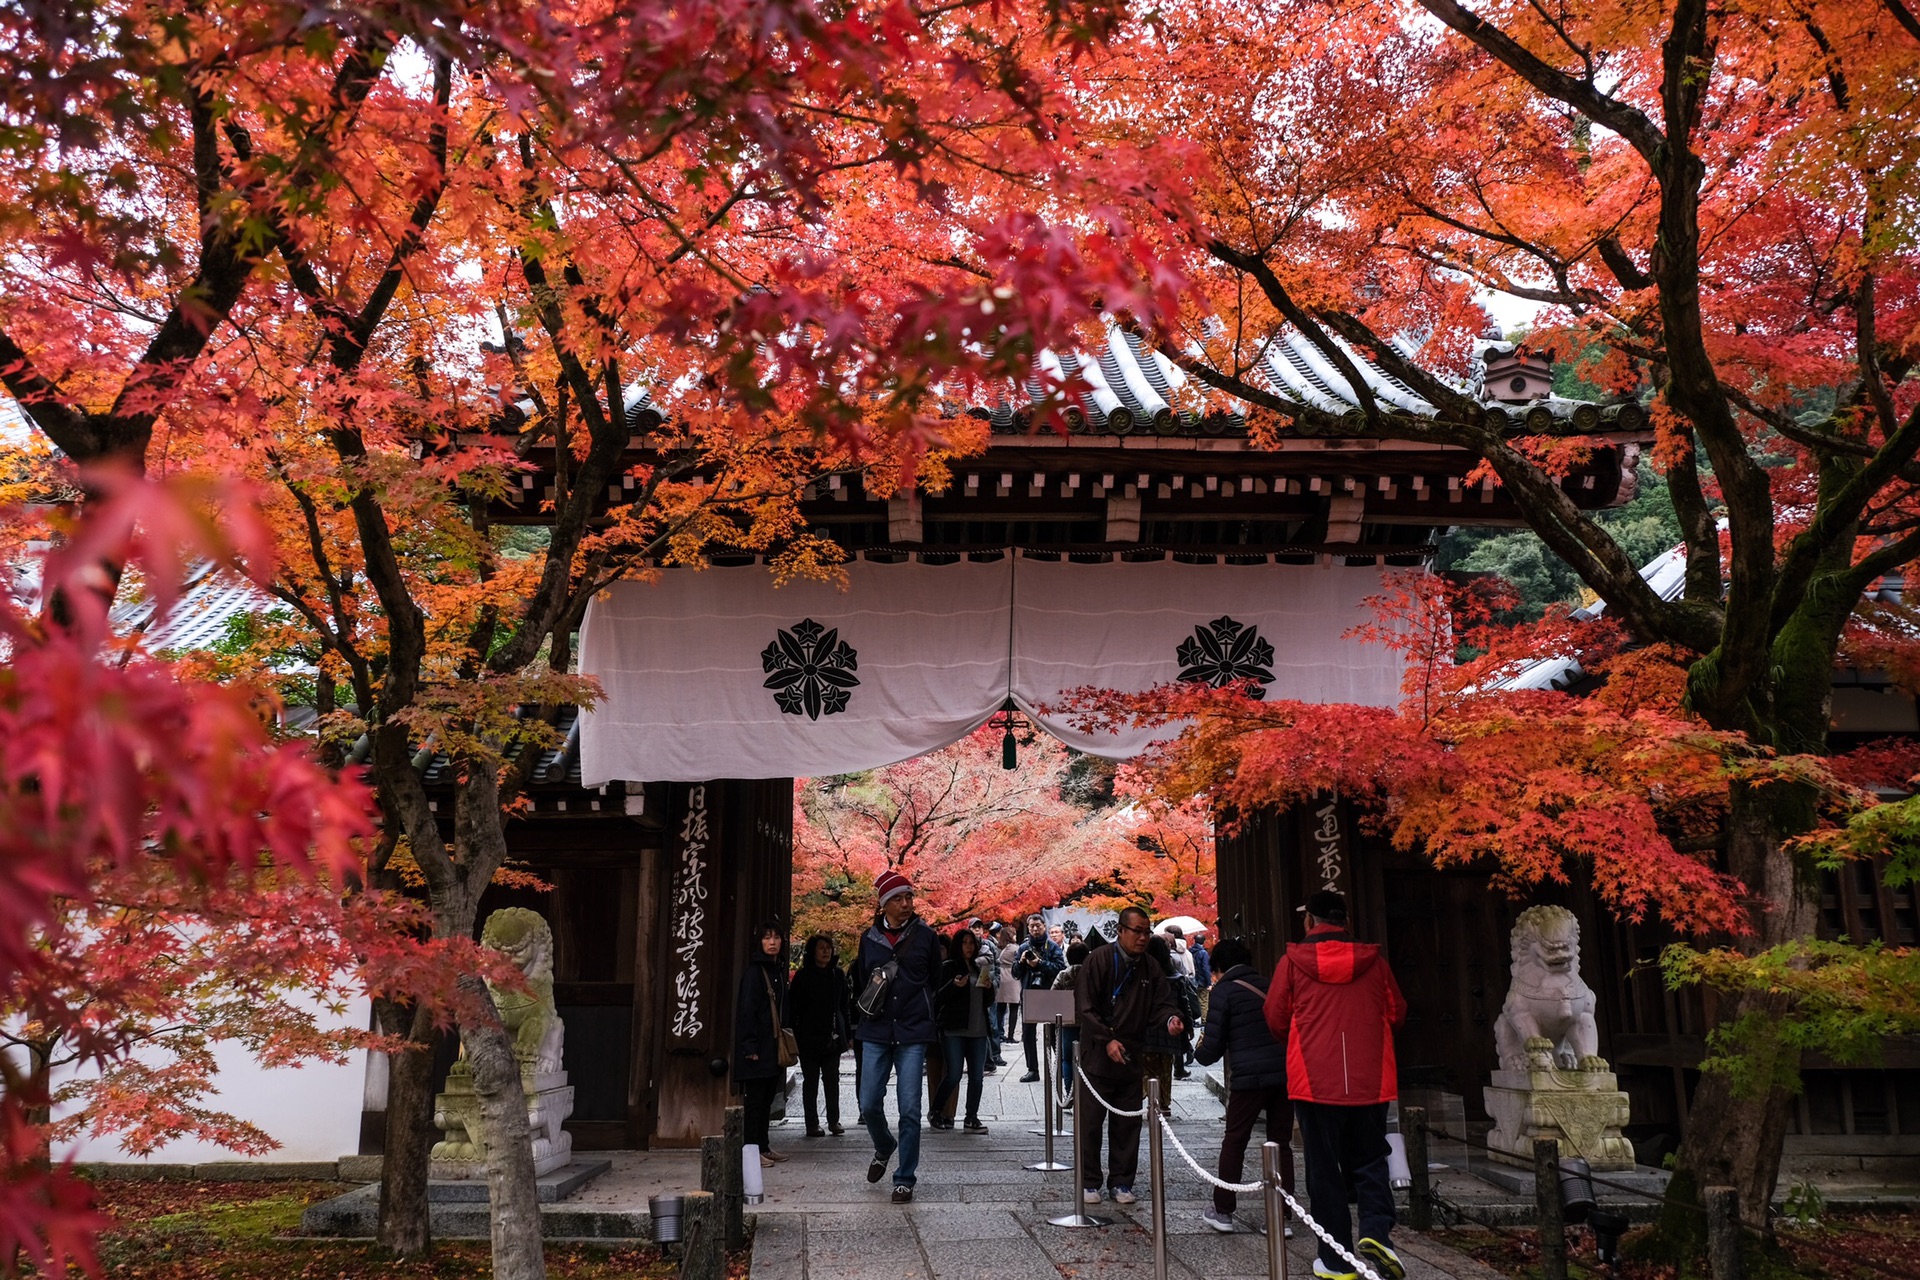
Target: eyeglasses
1133 928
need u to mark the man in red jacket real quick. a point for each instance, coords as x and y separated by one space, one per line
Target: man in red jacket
1335 1003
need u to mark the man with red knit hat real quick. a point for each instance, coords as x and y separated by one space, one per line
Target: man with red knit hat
1335 1004
893 982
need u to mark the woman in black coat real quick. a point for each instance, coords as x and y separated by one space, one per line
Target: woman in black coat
1256 1071
963 1002
757 1072
819 1008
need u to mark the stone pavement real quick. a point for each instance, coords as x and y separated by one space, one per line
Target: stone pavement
977 1211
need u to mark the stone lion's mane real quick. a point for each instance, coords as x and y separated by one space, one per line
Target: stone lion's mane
1532 927
516 928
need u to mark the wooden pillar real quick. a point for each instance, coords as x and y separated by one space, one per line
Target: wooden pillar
649 999
1546 1195
701 1254
727 865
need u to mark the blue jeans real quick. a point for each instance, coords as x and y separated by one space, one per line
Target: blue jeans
876 1062
972 1051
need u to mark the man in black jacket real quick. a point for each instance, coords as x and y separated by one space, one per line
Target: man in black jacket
896 1036
1256 1072
1119 997
1038 964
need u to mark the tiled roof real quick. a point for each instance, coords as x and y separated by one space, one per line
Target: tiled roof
1138 390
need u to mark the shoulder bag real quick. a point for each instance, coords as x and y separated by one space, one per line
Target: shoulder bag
787 1048
872 1001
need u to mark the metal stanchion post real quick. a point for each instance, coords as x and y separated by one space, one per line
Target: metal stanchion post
1059 1057
1156 1180
1079 1218
1049 1052
1276 1213
1050 1039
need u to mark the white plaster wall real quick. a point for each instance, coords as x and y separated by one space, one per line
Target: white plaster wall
313 1110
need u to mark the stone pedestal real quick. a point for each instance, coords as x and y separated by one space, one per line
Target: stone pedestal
462 1151
1583 1110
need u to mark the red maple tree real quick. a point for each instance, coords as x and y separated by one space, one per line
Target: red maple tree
1704 206
113 774
977 839
391 260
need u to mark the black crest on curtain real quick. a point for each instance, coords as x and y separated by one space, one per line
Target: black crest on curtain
811 670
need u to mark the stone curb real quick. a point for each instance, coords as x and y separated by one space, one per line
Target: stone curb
356 1214
219 1171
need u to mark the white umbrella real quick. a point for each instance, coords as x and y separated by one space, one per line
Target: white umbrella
1187 925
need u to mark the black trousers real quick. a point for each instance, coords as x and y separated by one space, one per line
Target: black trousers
758 1097
1126 1093
1244 1107
1346 1144
820 1067
1027 1031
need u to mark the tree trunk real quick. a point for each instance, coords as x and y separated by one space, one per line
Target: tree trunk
1736 1127
514 1198
405 1228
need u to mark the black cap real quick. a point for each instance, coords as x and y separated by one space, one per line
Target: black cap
1325 904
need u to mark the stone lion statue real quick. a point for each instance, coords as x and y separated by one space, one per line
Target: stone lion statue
530 1018
1547 1020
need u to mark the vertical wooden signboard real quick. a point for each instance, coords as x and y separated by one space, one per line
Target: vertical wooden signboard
690 986
1329 862
727 866
694 952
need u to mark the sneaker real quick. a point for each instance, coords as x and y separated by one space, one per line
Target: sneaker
816 1133
974 1125
778 1157
878 1169
1030 1077
903 1195
1286 1232
766 1161
1090 1196
1221 1222
992 1069
1322 1271
1385 1260
835 1130
1124 1195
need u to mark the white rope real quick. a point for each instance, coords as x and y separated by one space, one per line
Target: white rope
1246 1188
1081 1072
1361 1268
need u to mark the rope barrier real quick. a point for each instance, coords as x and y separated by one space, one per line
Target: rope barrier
1663 1197
1293 1205
1238 1188
1094 1093
1660 1196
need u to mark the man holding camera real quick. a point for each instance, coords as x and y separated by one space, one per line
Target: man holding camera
1038 964
1119 997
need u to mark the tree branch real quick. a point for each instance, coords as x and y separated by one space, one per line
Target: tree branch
1270 284
1580 93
